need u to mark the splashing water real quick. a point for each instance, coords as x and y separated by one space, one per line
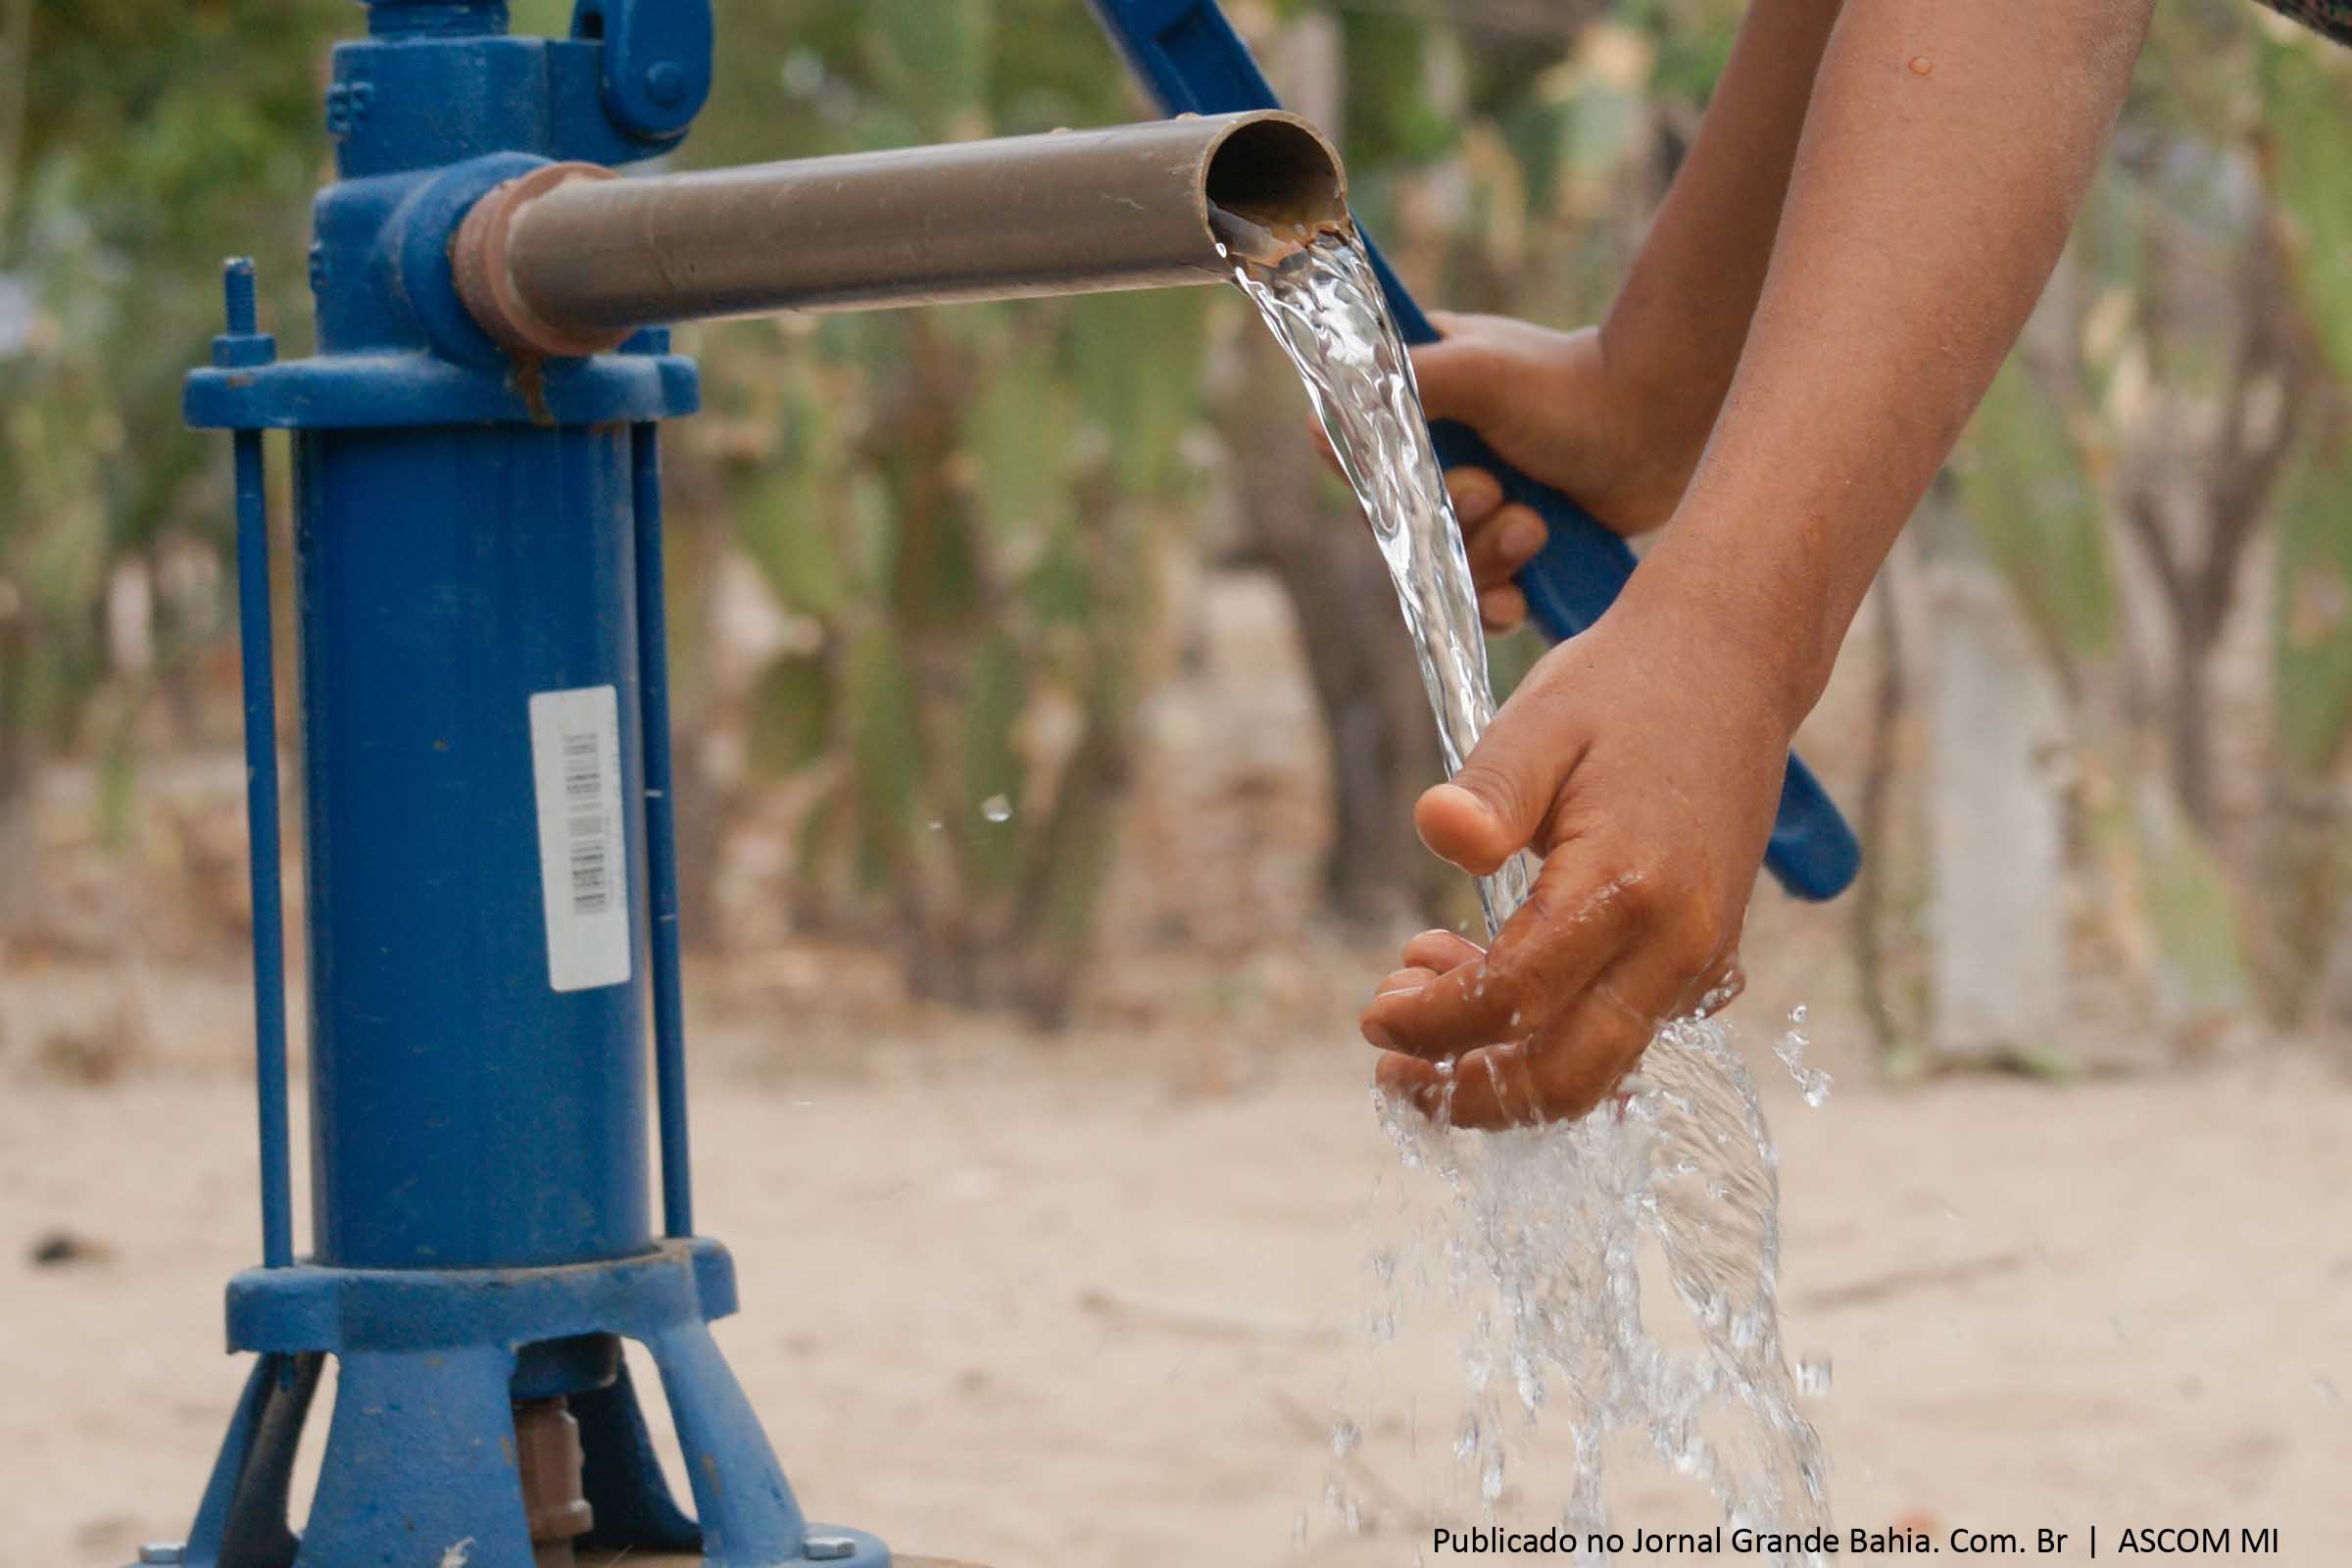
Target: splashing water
1552 1221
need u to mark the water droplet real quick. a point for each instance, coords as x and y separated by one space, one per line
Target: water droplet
1345 1436
2324 1387
1796 1014
997 809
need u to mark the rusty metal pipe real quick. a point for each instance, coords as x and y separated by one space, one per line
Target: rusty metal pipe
570 259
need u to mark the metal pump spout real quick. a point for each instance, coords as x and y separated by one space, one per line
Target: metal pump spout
570 259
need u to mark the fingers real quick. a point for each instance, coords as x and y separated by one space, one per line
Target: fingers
1426 957
1572 1064
1507 540
1504 540
1498 540
1494 807
1663 969
1573 926
1441 951
1559 1077
1463 825
1409 978
1475 495
1487 1088
1501 611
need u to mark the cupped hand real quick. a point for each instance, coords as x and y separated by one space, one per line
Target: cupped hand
1642 760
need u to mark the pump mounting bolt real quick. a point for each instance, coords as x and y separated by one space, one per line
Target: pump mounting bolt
244 345
827 1549
237 285
664 82
162 1552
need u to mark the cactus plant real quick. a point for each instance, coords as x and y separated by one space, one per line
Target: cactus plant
960 508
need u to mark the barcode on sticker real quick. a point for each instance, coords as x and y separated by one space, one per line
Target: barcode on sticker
583 846
587 823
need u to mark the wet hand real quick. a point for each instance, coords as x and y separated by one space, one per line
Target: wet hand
1643 762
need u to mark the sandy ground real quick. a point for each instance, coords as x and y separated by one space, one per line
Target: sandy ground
1094 1301
1053 1305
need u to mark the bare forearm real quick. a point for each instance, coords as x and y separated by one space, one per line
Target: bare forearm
1676 329
1948 150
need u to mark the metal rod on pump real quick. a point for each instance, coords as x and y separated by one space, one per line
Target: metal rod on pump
244 344
570 259
661 835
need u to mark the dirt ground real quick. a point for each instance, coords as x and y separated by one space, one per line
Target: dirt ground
1086 1303
1094 1301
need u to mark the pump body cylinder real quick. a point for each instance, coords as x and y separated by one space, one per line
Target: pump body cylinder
477 1039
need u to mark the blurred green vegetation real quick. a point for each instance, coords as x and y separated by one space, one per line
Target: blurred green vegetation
137 141
962 517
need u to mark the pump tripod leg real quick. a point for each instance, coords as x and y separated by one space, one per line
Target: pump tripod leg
747 1513
409 1476
241 1523
621 1476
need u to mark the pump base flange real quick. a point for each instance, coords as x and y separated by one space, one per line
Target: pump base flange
421 1463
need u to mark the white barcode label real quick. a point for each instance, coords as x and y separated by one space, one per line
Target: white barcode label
583 849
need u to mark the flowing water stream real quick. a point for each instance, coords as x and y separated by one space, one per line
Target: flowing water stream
1544 1231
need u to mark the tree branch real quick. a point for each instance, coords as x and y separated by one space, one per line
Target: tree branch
2271 364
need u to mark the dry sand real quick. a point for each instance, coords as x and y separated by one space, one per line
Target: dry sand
1059 1306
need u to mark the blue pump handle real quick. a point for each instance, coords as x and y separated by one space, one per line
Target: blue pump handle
1192 60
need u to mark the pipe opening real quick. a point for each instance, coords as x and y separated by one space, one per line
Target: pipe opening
1276 173
567 261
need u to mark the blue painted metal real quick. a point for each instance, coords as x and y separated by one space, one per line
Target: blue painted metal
656 68
242 1519
313 1306
428 1364
660 837
242 347
469 1115
1190 58
470 533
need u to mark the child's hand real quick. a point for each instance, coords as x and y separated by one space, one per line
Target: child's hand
1642 760
1548 404
1554 405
